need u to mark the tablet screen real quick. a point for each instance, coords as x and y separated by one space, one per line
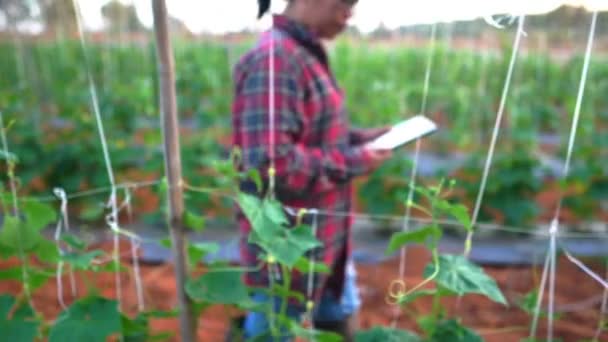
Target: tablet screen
404 132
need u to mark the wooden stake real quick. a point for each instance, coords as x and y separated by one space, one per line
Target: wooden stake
173 167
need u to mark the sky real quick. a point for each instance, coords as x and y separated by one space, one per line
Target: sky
220 16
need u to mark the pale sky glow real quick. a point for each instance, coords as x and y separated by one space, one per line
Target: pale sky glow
219 16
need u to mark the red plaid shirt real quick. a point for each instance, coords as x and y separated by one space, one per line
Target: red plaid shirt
315 152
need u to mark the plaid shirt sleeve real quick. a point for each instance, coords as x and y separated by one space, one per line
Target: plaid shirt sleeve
301 168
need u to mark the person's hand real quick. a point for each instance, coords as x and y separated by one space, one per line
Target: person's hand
373 133
378 157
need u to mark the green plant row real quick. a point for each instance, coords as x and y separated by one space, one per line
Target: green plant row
45 96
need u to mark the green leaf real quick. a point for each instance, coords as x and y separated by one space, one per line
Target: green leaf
415 236
74 242
220 287
303 265
311 334
138 328
383 334
451 330
46 251
417 294
36 278
38 215
194 222
197 251
290 247
264 216
91 319
81 261
14 234
254 175
458 274
461 213
22 326
166 242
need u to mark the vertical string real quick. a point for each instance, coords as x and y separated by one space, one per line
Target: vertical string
539 297
134 257
497 124
25 277
604 310
554 229
271 116
413 174
112 218
63 224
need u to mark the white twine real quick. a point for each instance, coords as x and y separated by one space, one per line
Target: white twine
112 218
137 275
539 298
135 244
412 184
63 223
573 130
271 115
600 325
586 269
497 124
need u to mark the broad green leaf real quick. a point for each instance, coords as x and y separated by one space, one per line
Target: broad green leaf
220 287
303 265
82 261
15 234
197 251
193 221
451 330
289 247
138 329
38 215
36 278
415 236
91 319
461 213
264 218
274 211
46 251
22 326
383 334
310 334
459 275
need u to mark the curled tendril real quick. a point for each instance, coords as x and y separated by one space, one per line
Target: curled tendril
396 292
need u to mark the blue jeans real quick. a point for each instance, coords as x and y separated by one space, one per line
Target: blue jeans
327 310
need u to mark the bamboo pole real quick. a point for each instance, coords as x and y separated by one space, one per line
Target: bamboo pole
173 167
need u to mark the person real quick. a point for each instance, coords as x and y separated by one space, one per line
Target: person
315 152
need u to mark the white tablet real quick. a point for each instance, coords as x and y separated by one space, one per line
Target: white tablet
404 132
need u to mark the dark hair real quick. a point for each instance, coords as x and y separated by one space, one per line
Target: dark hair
263 7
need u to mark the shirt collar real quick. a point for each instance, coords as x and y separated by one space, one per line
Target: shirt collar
302 35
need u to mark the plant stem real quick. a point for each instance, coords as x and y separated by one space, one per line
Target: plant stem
286 287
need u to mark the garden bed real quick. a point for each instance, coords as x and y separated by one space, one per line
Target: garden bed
578 299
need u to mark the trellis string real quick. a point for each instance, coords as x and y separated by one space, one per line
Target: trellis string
497 125
554 230
414 172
